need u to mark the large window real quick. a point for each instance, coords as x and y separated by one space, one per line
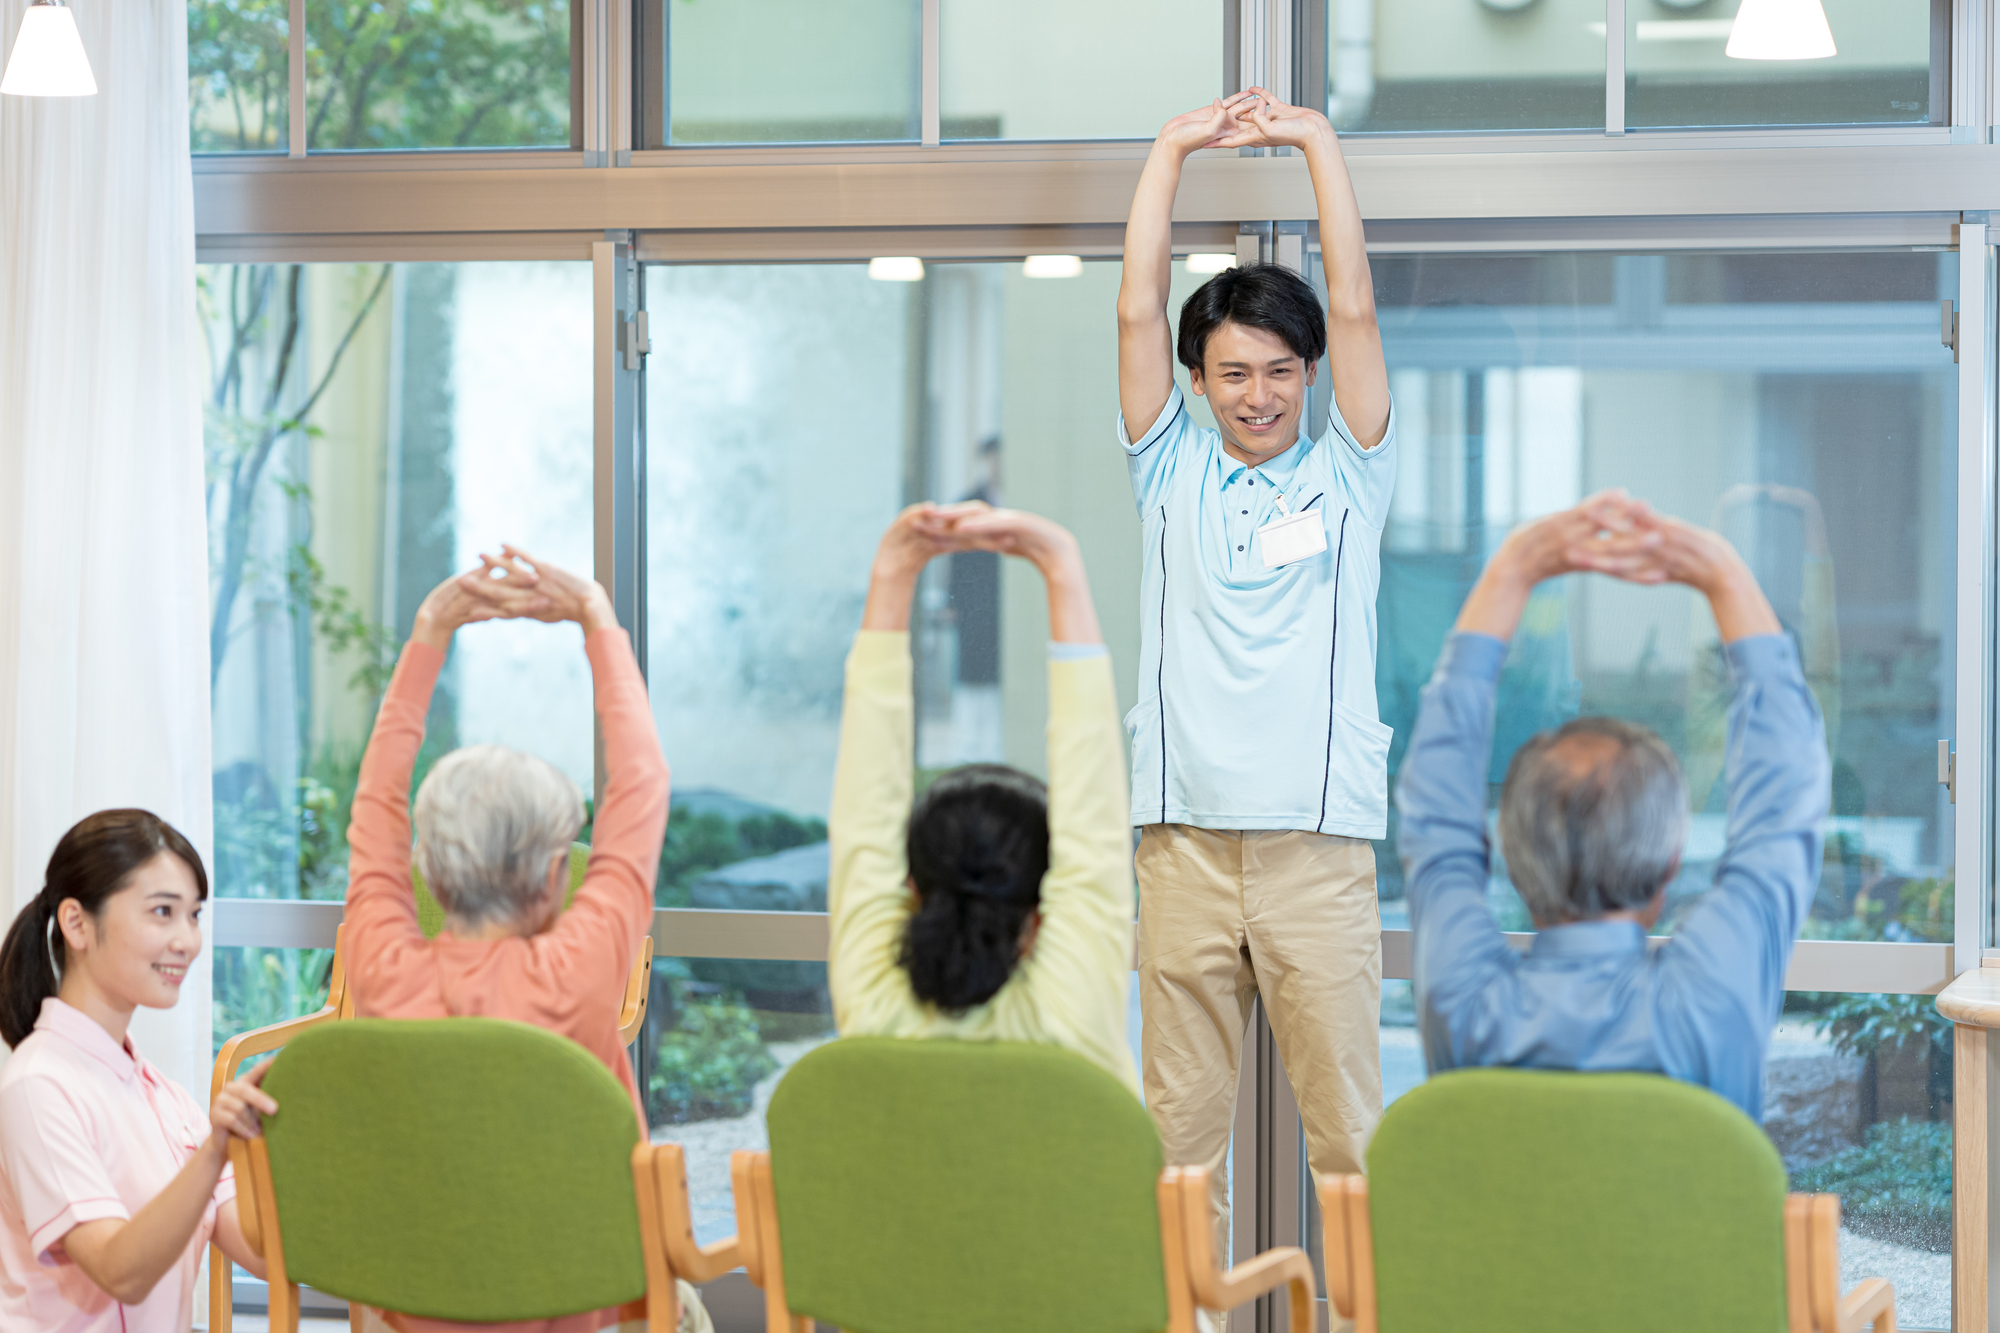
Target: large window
1471 65
384 75
371 428
1800 403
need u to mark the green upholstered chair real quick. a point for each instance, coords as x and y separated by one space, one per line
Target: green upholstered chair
465 1168
1506 1199
982 1187
340 1004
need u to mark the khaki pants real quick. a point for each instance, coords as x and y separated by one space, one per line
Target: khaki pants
1223 917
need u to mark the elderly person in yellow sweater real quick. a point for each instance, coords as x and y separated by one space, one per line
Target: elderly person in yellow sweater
994 909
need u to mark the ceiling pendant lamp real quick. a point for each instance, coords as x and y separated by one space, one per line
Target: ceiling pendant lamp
48 58
1780 30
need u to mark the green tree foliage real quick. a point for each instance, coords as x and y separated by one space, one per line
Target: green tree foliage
1896 1185
238 97
384 74
699 843
708 1064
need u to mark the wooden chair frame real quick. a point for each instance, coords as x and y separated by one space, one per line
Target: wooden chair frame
340 1004
1813 1303
1186 1240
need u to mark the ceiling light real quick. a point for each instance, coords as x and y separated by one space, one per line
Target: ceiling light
48 59
1780 30
1052 266
896 268
1210 263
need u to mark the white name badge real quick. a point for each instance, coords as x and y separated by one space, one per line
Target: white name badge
1292 538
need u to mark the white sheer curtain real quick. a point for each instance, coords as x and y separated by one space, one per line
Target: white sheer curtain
103 552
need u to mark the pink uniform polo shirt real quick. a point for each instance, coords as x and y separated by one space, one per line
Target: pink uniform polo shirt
89 1130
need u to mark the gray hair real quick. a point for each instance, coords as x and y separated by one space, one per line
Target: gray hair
1588 833
489 822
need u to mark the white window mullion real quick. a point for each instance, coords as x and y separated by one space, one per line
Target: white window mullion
296 76
1614 66
1974 621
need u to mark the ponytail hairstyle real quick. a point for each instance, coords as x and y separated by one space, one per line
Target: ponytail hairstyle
91 863
978 847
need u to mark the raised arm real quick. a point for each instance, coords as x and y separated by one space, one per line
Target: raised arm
381 907
1145 338
1080 967
600 933
1725 969
867 896
1353 342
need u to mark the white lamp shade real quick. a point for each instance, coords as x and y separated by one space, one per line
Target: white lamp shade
1780 30
48 59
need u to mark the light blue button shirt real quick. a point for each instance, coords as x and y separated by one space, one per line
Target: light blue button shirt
1256 685
1589 996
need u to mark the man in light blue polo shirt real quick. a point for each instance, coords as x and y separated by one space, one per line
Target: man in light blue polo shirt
1259 768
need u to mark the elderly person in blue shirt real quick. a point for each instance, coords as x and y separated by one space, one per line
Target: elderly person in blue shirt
1592 821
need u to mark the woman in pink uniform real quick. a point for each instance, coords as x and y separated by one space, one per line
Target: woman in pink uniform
111 1179
493 832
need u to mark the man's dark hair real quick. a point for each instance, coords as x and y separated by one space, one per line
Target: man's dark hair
978 847
1263 296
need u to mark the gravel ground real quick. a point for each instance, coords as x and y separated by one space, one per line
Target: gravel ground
1922 1279
708 1144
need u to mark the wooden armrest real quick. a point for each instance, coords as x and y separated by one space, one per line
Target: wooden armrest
1217 1290
749 1226
638 989
1871 1303
659 1172
1812 1270
256 1042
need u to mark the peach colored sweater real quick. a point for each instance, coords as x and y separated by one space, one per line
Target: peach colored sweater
566 979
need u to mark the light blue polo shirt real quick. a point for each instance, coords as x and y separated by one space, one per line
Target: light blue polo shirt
1257 686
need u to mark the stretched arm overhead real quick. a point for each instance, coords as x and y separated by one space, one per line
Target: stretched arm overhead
868 897
1353 342
1145 338
381 906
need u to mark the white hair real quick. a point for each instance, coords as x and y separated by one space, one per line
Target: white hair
490 820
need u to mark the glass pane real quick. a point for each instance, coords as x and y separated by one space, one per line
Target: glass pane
1800 403
255 988
369 429
773 467
1677 73
1857 1099
1405 65
1036 69
720 1033
441 74
238 65
789 71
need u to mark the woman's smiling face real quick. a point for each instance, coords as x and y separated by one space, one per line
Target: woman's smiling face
138 948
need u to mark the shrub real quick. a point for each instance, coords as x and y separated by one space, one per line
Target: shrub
708 1064
1894 1186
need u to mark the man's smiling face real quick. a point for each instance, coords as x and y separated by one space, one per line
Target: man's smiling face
1256 387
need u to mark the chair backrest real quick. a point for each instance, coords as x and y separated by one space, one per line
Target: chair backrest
975 1186
460 1168
430 913
1504 1199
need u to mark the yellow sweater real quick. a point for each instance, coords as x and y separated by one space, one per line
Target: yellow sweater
1070 991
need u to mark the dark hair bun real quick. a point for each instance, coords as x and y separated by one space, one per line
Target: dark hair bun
978 846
